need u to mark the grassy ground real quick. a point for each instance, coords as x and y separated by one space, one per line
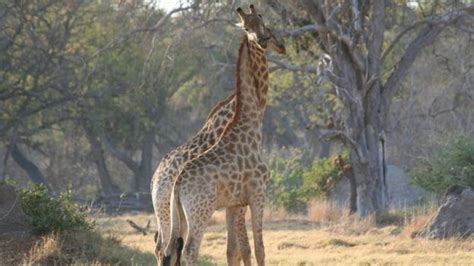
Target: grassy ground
323 237
303 241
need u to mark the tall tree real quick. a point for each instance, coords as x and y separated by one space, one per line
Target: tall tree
352 35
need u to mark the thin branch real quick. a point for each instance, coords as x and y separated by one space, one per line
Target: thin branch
124 37
399 37
356 14
424 37
297 31
121 155
139 229
343 136
345 40
282 65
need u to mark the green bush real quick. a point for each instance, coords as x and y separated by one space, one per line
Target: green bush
292 185
285 187
322 176
450 165
49 214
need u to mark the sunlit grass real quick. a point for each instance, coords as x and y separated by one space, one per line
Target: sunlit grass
317 239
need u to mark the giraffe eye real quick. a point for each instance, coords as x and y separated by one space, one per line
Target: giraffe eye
246 29
260 16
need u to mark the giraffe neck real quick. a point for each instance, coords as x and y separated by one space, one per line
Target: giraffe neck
252 85
216 122
258 68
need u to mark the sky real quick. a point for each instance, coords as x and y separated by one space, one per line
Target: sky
168 4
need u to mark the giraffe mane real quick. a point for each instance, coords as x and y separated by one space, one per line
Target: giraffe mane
238 93
219 105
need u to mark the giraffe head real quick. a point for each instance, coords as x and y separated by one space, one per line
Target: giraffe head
256 30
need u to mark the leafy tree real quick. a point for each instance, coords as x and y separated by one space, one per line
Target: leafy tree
452 164
77 65
38 86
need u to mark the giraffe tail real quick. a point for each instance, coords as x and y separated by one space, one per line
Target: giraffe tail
178 229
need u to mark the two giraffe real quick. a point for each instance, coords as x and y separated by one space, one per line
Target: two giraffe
231 174
172 164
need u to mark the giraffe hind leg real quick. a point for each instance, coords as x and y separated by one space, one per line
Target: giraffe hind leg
197 213
238 248
244 245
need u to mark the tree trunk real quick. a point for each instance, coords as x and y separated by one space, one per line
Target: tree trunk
352 192
143 179
108 187
368 171
28 166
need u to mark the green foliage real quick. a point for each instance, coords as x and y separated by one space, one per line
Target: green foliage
292 185
322 176
285 186
48 214
450 165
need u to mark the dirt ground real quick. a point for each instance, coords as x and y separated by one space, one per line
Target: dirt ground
323 237
300 241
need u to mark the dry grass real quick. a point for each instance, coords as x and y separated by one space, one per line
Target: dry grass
325 236
325 212
70 248
417 218
84 248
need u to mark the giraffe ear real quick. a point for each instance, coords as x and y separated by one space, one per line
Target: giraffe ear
240 12
252 9
239 25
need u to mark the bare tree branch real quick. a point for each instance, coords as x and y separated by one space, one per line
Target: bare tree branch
124 37
424 37
297 31
282 65
356 14
399 37
139 229
121 155
343 136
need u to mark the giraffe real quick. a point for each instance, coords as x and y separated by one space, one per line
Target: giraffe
231 174
171 165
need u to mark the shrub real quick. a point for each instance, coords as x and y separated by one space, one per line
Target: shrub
323 175
84 247
48 214
284 189
292 185
450 165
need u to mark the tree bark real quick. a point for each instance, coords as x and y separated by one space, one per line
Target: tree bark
352 192
142 169
97 152
146 171
28 166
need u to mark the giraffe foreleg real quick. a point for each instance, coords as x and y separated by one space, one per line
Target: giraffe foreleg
256 209
244 245
238 247
233 257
